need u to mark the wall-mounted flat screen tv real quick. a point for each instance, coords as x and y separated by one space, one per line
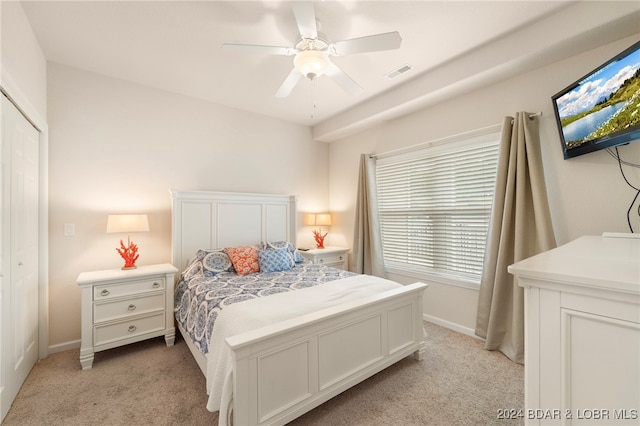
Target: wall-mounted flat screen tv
602 109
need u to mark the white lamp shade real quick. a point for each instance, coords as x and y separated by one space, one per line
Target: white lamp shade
125 223
310 219
323 219
317 219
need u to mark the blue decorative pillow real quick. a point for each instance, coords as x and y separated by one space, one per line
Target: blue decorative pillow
275 259
217 261
208 263
295 254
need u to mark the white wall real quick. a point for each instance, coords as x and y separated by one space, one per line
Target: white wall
24 67
587 194
117 147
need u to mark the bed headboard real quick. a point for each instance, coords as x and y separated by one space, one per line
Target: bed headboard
206 220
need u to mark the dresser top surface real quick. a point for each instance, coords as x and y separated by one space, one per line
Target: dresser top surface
608 262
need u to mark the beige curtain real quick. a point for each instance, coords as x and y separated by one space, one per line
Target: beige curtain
367 241
520 227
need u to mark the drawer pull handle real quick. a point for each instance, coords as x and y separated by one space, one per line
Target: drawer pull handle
132 328
341 258
321 260
156 285
104 292
132 307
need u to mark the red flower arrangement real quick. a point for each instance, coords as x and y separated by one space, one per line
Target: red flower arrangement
319 239
129 254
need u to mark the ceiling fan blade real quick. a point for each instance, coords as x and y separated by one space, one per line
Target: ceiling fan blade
343 79
305 18
288 84
255 48
372 43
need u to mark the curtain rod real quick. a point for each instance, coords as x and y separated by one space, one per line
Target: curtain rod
441 141
535 114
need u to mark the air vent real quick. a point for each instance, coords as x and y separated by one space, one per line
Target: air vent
401 70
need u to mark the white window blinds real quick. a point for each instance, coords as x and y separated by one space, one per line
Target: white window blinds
435 206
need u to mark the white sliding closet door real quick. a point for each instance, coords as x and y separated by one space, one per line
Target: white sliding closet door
18 252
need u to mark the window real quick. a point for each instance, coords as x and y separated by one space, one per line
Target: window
435 206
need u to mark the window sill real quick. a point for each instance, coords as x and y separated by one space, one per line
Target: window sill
429 277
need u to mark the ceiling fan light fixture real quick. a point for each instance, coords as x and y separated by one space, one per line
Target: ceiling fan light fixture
311 63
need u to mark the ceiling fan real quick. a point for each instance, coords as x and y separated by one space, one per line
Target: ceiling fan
312 53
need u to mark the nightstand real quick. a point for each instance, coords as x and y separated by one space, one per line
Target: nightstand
125 306
329 256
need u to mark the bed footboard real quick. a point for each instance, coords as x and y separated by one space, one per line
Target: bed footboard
286 369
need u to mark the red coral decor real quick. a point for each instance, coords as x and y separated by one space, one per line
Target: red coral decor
319 239
129 254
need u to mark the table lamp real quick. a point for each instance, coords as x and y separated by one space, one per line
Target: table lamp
127 223
319 220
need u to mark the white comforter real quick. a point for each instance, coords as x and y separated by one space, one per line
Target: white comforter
256 313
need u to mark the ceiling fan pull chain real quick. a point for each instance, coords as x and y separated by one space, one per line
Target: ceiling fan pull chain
313 98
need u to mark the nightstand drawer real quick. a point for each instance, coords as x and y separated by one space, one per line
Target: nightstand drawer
339 265
108 291
127 307
331 259
104 334
335 257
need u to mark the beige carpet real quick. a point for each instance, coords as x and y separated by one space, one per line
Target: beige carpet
458 383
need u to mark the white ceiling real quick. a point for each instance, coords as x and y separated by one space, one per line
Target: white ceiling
176 46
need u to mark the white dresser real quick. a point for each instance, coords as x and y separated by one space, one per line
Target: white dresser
582 332
328 256
125 306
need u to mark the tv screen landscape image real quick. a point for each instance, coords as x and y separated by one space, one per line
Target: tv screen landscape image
602 109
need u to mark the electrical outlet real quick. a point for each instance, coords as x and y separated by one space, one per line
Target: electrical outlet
69 230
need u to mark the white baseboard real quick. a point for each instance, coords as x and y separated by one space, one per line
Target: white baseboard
60 347
451 326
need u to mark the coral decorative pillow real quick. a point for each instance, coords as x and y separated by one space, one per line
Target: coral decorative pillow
244 259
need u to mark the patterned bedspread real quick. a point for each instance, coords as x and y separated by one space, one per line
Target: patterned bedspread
199 299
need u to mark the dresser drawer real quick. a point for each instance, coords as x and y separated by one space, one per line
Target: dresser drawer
122 308
104 334
108 291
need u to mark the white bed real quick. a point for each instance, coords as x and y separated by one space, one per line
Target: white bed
309 356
